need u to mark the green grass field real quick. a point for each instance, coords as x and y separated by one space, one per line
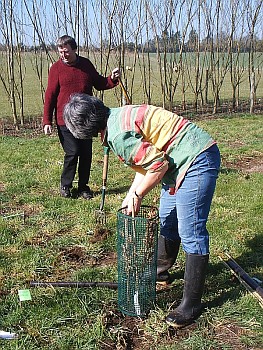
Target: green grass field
58 241
33 101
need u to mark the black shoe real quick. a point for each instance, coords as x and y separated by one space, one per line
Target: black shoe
85 193
65 192
163 278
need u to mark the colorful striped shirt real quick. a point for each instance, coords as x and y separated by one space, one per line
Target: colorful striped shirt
146 137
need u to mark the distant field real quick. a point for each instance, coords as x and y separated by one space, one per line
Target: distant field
33 100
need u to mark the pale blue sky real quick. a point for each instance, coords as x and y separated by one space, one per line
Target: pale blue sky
53 19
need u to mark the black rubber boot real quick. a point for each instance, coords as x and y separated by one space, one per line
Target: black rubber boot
166 256
194 280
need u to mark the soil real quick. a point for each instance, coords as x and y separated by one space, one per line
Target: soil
247 165
100 234
131 335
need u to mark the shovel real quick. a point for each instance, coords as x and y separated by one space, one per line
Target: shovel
128 101
100 214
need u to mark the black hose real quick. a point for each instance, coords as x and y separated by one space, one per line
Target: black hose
110 285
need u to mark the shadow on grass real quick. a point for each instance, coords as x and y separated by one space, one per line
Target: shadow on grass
118 190
225 170
229 285
221 285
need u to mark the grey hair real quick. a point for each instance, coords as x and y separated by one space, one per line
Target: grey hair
85 116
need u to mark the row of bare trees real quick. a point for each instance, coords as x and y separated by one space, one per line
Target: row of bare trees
197 45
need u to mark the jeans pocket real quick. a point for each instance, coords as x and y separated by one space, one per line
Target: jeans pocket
212 155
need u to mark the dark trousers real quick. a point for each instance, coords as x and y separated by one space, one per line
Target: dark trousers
77 152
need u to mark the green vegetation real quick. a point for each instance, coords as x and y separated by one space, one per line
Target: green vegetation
58 241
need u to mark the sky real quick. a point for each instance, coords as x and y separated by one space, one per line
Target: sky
53 18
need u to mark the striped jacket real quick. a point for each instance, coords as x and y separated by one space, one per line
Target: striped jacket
146 137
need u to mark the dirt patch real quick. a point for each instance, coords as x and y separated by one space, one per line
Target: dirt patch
3 293
78 255
75 254
32 128
247 164
25 210
230 333
131 333
100 233
225 107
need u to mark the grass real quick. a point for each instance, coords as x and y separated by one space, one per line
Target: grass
56 242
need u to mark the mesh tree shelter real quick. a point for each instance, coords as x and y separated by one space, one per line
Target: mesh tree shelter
137 260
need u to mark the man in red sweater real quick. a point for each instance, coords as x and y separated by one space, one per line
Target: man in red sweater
72 74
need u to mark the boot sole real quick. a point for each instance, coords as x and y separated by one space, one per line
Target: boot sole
163 283
177 326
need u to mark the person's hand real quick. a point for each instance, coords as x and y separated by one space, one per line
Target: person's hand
126 200
115 74
47 129
134 204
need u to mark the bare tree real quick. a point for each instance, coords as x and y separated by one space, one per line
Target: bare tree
176 50
236 63
253 13
196 61
11 81
165 22
219 55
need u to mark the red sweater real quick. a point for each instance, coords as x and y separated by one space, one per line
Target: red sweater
64 80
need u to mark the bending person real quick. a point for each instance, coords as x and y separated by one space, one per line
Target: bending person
161 147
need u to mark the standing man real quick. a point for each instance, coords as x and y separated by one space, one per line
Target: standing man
72 74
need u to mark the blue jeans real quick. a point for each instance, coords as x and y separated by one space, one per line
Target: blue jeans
183 215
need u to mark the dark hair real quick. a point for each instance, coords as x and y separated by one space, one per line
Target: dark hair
85 115
67 40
